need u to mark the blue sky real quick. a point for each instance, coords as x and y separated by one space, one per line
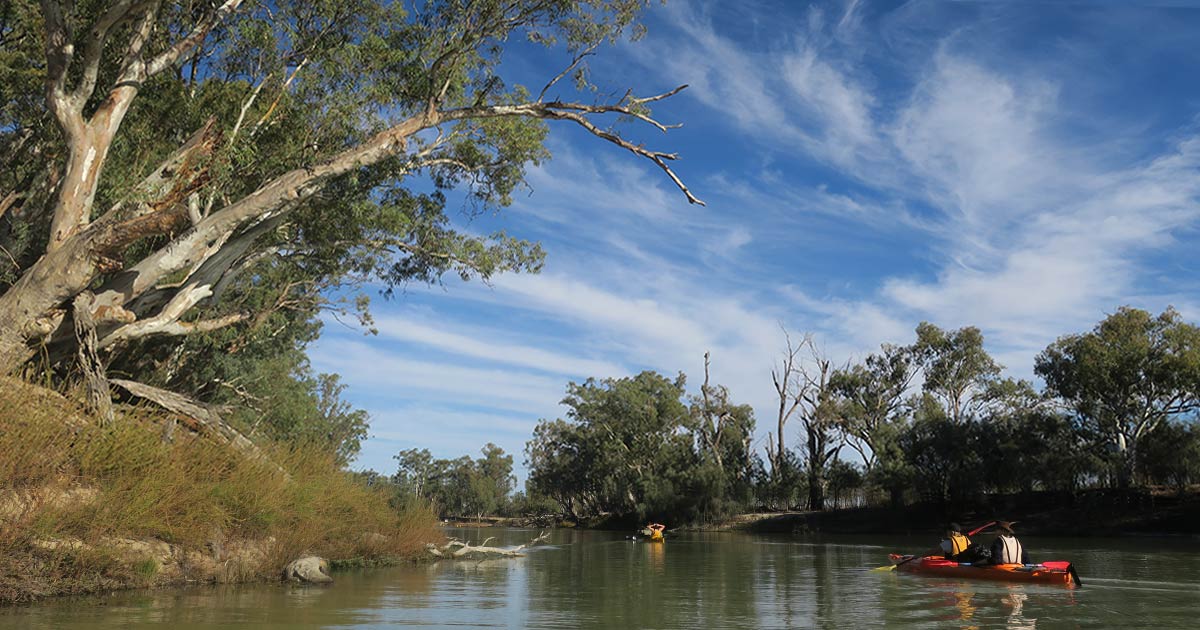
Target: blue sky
1024 167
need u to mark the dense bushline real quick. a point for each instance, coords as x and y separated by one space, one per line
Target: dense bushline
933 421
461 487
74 493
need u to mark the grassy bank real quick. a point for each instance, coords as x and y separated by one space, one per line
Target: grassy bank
85 508
1086 513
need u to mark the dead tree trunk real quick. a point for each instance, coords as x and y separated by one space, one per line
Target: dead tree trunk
459 550
819 415
787 387
98 395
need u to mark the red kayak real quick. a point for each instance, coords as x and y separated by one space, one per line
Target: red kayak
1056 572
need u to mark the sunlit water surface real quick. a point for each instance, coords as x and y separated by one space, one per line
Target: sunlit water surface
587 579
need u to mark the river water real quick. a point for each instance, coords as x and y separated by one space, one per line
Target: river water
587 579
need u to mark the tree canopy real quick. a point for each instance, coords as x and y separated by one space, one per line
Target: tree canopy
630 446
193 181
1128 376
457 487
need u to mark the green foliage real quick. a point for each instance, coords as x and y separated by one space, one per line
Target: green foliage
1172 454
290 84
626 443
872 395
723 433
966 433
843 478
457 487
787 487
531 505
969 432
946 456
1127 377
956 368
631 447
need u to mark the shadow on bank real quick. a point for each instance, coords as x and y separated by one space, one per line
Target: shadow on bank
1099 512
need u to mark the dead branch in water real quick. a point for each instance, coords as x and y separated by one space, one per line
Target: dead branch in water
459 550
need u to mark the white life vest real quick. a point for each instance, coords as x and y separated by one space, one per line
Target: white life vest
1010 550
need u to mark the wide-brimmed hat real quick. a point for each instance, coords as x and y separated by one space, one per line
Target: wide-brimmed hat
953 527
1005 526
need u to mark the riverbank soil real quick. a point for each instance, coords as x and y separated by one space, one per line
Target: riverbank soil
1141 512
86 507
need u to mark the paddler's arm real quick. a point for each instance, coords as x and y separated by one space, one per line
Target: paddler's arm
938 551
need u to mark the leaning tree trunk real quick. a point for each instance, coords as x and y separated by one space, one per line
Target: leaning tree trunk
132 302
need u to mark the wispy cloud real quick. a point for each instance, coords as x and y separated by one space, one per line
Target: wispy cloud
865 168
1030 225
487 344
373 368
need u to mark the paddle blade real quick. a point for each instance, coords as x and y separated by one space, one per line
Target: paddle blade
890 567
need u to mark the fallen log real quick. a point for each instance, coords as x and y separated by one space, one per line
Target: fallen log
205 416
459 550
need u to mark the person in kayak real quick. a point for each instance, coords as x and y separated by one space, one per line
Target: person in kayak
656 531
1006 549
957 547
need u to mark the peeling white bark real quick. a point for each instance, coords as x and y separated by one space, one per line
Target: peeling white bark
459 550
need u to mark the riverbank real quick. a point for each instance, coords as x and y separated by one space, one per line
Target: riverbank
143 502
1081 514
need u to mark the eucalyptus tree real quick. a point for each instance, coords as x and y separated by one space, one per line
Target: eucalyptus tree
874 394
497 482
787 379
956 368
724 430
625 448
1126 377
461 486
562 466
181 148
1171 454
820 412
417 472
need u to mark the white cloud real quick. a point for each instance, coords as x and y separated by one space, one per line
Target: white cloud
1035 231
1070 263
994 205
373 366
487 344
839 110
977 141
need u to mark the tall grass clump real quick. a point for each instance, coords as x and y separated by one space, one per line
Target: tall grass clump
64 477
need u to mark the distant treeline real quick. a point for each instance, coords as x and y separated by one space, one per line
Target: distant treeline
931 421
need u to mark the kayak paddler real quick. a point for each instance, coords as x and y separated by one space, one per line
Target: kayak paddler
954 545
656 531
1006 549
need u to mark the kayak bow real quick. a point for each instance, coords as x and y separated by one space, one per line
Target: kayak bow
1055 572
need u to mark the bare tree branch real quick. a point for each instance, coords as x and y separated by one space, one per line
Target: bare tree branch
651 99
184 46
575 62
73 264
207 417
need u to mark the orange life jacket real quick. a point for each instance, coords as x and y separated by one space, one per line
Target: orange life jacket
958 544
